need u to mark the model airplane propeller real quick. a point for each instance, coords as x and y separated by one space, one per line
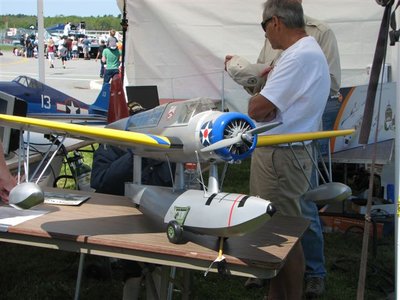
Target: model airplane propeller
240 137
182 132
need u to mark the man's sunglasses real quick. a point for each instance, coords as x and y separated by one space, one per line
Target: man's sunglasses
265 23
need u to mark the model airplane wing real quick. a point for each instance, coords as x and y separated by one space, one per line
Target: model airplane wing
97 134
269 140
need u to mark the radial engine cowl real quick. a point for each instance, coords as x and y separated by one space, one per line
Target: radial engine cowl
230 125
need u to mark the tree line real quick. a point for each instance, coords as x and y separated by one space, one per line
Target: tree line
105 22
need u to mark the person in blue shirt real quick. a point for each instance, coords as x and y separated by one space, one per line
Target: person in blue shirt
112 167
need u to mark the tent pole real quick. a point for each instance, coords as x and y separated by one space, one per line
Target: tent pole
124 24
397 177
40 46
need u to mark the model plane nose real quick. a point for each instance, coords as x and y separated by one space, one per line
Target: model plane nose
271 210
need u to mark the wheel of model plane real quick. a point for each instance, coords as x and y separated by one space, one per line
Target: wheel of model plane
174 232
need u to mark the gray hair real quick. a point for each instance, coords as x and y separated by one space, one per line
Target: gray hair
290 11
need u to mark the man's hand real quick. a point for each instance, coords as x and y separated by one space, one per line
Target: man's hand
261 109
266 71
227 58
7 182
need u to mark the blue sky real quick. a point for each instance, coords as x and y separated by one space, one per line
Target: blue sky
51 8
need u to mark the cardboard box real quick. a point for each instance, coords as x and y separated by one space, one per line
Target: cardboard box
343 224
387 209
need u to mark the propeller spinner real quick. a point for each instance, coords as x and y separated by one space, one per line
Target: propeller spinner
239 135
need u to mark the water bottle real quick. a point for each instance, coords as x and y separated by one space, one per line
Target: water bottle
83 172
191 177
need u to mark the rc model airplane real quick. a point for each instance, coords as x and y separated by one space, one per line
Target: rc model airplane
49 103
192 131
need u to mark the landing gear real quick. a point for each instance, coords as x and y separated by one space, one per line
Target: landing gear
174 232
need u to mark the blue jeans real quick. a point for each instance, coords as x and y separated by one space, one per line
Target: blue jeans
313 241
328 120
109 73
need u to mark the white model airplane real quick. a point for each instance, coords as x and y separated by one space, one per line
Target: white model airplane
181 132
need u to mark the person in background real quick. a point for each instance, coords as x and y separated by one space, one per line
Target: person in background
75 54
112 39
28 46
112 167
312 241
68 45
67 29
62 52
7 181
86 47
51 49
112 59
100 55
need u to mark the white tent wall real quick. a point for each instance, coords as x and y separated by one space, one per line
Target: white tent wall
180 45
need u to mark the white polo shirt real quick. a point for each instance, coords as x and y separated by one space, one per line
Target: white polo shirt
299 87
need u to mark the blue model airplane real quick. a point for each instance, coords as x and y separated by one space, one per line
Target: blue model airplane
46 102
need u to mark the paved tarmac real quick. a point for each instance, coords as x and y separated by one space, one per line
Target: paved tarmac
80 78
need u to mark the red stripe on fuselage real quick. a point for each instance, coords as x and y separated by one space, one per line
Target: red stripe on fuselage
232 207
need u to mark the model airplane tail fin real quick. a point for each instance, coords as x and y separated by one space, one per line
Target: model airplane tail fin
118 107
102 101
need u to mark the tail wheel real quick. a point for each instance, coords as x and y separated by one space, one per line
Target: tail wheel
174 232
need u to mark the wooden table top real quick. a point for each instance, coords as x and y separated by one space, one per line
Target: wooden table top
113 221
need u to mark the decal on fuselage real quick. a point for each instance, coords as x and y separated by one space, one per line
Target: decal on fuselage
171 112
205 133
46 102
180 214
71 107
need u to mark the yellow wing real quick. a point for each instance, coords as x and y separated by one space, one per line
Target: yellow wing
97 134
269 140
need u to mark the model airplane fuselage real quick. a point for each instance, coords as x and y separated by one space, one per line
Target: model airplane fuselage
46 102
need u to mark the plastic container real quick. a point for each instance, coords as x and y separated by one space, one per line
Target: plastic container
191 177
390 193
83 173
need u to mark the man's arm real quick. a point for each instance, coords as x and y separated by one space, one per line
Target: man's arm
103 57
329 46
261 109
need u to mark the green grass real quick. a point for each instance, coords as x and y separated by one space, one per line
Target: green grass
36 273
7 47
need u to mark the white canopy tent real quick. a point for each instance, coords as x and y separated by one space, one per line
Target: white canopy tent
180 45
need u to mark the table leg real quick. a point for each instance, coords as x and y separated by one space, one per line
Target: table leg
171 283
79 277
